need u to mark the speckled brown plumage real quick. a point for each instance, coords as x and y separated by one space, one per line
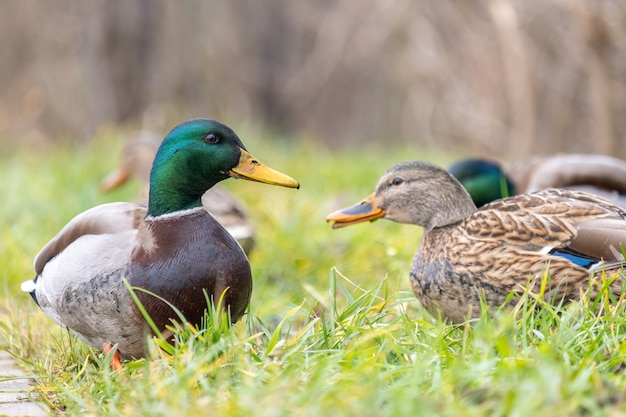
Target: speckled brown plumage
467 254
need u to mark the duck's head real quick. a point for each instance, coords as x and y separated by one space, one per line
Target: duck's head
135 161
484 180
196 155
414 192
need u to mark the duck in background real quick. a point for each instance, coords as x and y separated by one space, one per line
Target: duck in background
469 255
172 252
136 162
487 181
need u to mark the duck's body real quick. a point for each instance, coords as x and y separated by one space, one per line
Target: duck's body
86 293
487 181
136 162
172 248
467 254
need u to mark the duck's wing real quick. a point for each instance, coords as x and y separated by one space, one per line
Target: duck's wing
112 218
566 170
78 283
521 172
584 228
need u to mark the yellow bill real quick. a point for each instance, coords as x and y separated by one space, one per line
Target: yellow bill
250 168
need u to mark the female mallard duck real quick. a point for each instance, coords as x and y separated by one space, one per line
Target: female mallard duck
173 248
136 162
468 253
487 181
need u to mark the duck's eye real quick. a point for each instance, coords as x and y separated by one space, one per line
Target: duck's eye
396 181
211 138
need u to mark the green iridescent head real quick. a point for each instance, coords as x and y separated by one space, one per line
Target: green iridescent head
196 155
484 180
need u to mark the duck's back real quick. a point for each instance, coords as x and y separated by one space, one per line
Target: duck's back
509 243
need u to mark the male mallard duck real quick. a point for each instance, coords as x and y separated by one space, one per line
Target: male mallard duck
173 248
487 181
136 162
468 253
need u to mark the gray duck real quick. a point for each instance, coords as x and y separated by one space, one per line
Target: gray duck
172 248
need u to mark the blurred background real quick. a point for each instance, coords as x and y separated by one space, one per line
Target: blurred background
498 78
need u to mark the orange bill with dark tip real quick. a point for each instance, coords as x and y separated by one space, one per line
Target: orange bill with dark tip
251 169
366 210
115 179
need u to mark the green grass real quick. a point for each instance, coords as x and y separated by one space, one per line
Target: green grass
332 327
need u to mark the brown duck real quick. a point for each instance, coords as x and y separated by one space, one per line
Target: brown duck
468 254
